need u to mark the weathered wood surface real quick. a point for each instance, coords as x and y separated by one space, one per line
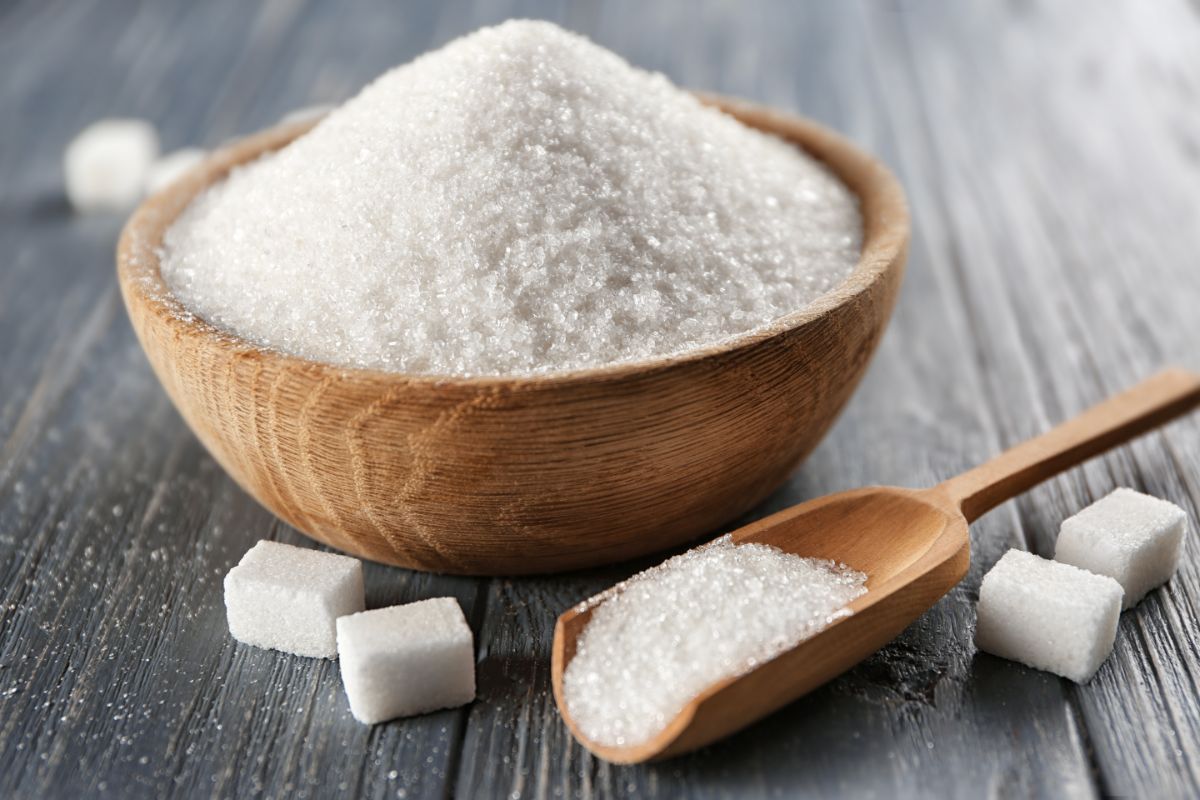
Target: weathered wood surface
1051 151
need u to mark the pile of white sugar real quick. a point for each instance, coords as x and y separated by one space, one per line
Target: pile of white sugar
665 635
519 201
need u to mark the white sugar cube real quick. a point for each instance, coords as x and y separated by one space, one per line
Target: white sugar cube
1129 536
406 660
106 164
289 598
165 170
307 113
1048 615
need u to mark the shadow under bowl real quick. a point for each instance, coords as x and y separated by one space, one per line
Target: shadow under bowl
517 475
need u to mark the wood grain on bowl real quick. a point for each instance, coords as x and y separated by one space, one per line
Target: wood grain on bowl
521 475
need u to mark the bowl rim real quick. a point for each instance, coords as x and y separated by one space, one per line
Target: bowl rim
881 199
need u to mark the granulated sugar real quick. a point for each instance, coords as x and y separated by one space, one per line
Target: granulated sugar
668 633
519 201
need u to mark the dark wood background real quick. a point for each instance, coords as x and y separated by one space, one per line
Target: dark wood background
1051 151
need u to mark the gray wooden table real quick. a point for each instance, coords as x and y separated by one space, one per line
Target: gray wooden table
1051 151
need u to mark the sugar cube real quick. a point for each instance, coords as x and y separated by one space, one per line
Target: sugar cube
1048 615
406 660
1129 536
165 170
106 164
288 598
306 113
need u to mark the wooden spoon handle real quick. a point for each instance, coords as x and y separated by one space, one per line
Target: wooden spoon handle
1118 419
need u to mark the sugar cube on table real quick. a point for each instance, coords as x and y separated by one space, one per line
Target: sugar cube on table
289 598
306 113
106 164
165 170
1129 536
1048 615
406 660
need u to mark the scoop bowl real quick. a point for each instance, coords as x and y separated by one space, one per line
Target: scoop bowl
913 547
514 475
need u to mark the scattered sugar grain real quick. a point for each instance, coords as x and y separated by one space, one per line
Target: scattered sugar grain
519 201
173 165
1047 615
288 598
660 638
406 660
106 164
1131 537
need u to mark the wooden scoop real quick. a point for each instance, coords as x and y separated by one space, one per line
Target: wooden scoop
911 543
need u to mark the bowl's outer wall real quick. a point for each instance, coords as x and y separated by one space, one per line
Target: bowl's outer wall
512 476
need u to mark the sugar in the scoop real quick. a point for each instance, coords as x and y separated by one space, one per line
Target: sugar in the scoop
657 640
519 201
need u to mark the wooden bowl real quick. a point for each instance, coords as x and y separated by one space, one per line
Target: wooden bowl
521 475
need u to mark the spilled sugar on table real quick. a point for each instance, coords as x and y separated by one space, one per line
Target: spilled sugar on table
1051 154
